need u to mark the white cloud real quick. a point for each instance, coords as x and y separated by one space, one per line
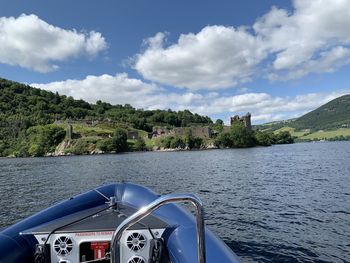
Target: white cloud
32 43
216 57
120 89
328 61
313 38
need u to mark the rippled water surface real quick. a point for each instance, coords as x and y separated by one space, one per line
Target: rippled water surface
288 203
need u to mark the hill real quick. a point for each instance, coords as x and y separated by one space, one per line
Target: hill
331 121
33 106
36 122
332 115
26 112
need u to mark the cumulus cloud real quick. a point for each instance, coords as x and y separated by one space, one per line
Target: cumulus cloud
216 57
313 38
265 107
328 61
120 89
32 43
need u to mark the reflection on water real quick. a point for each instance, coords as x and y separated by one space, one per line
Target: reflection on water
287 203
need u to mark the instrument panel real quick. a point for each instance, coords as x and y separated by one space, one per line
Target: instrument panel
86 246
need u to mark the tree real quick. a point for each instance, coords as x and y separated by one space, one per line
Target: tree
237 137
140 145
177 142
43 139
219 122
284 137
119 140
224 140
218 126
264 138
241 136
105 145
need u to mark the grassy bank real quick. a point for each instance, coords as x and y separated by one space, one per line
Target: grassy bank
306 135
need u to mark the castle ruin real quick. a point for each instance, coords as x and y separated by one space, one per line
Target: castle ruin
246 119
197 131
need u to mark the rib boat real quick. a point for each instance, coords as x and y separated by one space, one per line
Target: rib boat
124 223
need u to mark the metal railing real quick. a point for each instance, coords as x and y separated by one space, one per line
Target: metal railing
146 210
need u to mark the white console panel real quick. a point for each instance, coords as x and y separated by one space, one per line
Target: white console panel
65 247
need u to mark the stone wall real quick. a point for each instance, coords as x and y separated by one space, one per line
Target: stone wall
133 135
246 119
86 122
201 132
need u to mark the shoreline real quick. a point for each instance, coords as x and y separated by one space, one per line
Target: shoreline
50 155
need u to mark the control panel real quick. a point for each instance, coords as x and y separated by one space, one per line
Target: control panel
86 246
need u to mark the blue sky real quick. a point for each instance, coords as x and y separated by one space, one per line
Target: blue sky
275 59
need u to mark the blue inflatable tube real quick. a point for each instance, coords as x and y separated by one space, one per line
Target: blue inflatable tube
180 241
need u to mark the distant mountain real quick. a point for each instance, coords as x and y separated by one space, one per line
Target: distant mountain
332 115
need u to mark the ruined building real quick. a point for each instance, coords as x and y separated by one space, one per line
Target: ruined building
245 119
133 135
200 131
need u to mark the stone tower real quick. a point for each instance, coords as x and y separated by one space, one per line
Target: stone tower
234 119
246 119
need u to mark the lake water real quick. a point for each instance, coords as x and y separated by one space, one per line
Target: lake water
287 203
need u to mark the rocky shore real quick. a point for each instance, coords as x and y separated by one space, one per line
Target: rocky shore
61 149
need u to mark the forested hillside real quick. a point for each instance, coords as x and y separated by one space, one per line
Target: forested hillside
332 115
32 106
23 107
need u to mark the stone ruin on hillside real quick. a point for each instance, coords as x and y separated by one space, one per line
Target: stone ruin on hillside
197 131
246 119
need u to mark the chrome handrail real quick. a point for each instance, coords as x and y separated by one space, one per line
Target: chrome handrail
148 209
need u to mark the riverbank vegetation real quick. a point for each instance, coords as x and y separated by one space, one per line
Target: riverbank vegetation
23 107
330 122
240 137
34 122
306 135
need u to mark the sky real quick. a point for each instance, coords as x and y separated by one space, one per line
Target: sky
274 59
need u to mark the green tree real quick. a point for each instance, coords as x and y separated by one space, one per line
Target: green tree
284 137
241 136
119 140
191 141
224 140
264 138
218 126
105 145
177 142
166 141
172 142
43 139
219 122
140 145
237 137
